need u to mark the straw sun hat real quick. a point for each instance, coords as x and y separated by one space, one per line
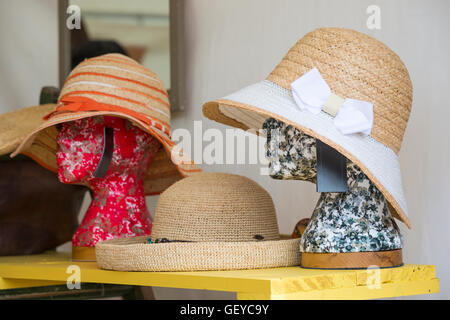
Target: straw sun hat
16 125
212 221
111 84
354 66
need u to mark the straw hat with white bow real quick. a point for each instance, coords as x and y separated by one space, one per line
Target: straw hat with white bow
342 87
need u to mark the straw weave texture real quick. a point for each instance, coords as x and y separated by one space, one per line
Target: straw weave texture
215 207
16 125
120 87
355 66
117 80
133 254
218 215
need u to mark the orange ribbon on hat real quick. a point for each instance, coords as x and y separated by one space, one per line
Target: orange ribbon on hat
78 103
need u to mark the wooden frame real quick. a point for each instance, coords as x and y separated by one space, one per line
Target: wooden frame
177 49
64 42
176 25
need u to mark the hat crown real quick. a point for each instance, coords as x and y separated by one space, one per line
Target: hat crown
215 207
119 81
356 66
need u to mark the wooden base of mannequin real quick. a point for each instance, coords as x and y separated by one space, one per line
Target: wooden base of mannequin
352 260
83 254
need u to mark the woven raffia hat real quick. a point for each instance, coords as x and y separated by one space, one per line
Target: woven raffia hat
214 221
114 85
16 125
354 66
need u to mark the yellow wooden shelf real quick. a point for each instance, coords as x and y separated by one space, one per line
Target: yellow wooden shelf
277 283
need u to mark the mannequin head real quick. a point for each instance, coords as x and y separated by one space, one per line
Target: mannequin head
353 221
81 144
291 153
118 206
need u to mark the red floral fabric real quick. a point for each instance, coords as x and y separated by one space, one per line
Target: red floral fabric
118 207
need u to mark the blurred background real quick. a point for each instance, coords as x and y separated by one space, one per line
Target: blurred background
223 46
141 27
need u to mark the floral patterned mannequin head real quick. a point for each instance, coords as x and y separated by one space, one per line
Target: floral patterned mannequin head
81 144
118 207
353 221
291 153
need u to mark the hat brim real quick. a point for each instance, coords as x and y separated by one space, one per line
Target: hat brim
249 107
40 145
16 125
135 254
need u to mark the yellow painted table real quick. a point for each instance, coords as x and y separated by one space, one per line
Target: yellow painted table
278 283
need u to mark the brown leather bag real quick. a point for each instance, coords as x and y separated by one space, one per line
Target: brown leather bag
37 212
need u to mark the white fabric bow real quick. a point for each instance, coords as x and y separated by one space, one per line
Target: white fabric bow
311 93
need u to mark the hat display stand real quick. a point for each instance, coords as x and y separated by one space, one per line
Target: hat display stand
109 131
111 119
348 230
118 207
352 95
342 87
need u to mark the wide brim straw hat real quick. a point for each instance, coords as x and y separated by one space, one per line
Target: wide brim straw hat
113 85
354 66
16 125
213 221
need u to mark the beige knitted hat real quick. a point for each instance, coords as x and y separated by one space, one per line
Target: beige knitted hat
354 66
212 221
114 85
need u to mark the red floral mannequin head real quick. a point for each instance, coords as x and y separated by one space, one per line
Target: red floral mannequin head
118 207
81 144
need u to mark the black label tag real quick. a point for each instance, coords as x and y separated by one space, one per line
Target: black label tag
331 169
108 149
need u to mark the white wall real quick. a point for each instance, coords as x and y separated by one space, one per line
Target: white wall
28 51
233 43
